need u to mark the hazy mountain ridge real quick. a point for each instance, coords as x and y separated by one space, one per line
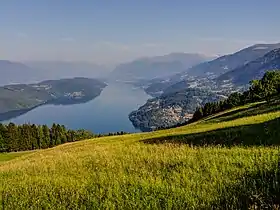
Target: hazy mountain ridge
62 69
15 72
158 66
31 72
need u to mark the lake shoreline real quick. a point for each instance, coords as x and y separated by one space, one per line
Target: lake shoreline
105 113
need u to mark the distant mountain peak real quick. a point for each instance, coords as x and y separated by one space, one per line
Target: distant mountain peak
157 66
6 62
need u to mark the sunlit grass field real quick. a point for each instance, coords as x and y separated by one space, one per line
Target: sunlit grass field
9 156
227 161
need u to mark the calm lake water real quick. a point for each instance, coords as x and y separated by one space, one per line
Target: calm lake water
106 113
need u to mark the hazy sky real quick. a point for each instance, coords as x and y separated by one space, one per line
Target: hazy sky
109 31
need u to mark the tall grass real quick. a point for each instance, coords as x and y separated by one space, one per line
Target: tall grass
123 172
12 155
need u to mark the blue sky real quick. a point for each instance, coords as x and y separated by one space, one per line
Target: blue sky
113 31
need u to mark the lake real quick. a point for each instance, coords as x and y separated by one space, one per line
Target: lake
106 113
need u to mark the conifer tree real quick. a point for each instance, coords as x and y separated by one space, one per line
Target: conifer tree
46 141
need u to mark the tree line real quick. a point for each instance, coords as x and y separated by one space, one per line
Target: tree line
264 89
24 137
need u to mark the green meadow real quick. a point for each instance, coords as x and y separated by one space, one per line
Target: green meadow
225 161
9 156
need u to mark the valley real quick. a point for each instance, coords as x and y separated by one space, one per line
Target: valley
177 83
147 105
210 140
108 112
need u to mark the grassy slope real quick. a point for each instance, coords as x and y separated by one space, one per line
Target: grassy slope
12 155
155 170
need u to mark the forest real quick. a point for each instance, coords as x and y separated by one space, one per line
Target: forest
24 137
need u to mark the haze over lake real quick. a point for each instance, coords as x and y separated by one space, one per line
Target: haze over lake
106 113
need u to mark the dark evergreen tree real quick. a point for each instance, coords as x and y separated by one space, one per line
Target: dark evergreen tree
198 114
29 137
12 137
2 144
46 141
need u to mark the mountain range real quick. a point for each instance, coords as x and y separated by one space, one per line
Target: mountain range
220 67
169 78
211 80
159 66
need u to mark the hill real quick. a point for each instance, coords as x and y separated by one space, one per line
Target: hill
254 69
159 66
225 161
21 97
171 109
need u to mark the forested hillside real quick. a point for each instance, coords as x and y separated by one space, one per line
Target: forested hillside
170 109
19 97
267 88
188 105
